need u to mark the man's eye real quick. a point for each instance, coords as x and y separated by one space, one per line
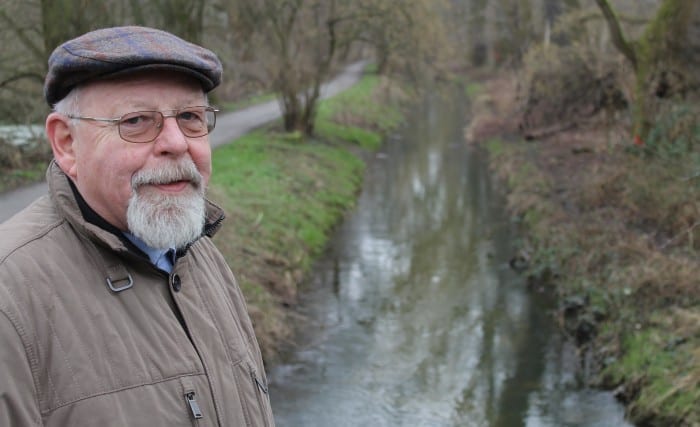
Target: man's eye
189 116
136 120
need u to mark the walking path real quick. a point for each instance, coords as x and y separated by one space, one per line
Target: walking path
229 126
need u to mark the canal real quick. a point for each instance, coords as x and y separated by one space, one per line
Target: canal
414 318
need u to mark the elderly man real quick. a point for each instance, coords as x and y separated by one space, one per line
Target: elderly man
116 309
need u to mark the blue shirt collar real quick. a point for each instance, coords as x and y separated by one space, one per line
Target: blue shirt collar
161 258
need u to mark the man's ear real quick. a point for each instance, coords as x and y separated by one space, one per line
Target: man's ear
60 134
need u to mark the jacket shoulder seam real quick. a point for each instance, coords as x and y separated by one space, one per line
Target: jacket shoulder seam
49 228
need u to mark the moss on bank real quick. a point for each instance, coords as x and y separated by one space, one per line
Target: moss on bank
613 227
283 195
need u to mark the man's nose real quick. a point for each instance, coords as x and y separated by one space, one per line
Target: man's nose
171 140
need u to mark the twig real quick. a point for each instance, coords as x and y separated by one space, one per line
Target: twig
677 236
688 178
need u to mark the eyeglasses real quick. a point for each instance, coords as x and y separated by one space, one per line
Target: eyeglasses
145 126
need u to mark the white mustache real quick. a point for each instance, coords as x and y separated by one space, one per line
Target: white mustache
181 171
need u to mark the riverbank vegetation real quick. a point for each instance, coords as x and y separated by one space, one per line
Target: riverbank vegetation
602 167
284 192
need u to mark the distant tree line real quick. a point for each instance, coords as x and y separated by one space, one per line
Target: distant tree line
567 51
285 46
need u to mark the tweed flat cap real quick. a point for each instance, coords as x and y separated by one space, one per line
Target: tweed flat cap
121 50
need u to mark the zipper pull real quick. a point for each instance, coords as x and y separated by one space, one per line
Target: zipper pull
194 407
260 384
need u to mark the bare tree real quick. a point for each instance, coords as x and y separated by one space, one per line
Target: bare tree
663 58
296 46
32 29
406 35
22 60
184 18
62 20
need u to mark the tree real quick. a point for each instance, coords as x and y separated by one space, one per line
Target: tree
62 20
297 44
294 44
662 58
408 36
32 29
184 18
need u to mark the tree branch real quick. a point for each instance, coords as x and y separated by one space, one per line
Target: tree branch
20 33
26 75
618 37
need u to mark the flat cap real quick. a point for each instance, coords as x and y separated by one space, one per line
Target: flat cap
121 50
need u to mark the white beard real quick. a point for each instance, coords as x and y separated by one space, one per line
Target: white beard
165 221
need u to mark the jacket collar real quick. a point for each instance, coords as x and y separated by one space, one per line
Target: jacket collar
71 206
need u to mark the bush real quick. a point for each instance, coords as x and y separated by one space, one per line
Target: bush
571 78
10 155
676 132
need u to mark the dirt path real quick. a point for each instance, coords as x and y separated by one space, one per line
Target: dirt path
229 126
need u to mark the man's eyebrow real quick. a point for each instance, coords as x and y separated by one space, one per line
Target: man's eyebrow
148 105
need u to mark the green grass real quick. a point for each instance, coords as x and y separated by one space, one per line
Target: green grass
473 89
284 194
16 178
494 146
291 192
662 371
359 115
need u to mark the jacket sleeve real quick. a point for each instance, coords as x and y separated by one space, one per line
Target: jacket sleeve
18 402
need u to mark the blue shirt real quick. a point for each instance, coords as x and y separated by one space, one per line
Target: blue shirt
161 258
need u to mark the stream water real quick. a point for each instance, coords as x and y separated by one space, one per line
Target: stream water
414 318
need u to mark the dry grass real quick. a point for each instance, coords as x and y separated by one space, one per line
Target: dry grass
490 108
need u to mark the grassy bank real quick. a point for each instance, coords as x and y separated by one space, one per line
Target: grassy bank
284 194
612 226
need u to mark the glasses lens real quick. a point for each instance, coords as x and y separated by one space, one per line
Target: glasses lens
211 119
196 121
141 126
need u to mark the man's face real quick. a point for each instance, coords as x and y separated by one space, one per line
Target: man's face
106 166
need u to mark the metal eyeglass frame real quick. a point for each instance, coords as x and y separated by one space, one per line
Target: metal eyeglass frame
158 124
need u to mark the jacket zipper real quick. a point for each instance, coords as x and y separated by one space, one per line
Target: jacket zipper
189 394
262 389
194 406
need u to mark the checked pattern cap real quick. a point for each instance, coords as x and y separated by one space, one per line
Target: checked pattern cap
121 50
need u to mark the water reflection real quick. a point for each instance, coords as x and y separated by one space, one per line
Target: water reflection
415 318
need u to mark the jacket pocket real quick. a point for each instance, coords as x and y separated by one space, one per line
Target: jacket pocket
252 388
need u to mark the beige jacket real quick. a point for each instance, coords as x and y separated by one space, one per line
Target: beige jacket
92 334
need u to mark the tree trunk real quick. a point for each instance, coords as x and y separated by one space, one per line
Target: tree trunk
658 53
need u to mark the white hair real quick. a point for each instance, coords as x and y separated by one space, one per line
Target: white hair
69 105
